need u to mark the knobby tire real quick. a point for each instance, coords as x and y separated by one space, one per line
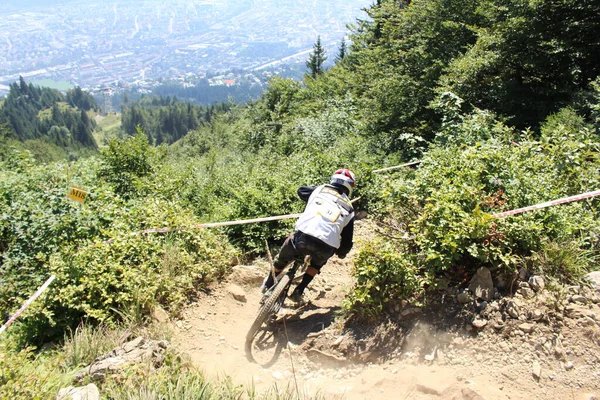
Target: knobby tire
271 305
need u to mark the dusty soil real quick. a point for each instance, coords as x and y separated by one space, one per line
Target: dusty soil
548 349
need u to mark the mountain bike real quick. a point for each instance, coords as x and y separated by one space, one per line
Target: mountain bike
263 334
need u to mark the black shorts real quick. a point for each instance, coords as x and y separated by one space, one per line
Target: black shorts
301 244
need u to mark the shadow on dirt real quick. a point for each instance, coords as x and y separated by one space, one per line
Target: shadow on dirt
309 319
419 330
292 326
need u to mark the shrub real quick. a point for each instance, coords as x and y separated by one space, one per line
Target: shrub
384 274
25 375
486 168
43 233
126 161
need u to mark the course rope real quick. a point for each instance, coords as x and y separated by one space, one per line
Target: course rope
548 204
27 303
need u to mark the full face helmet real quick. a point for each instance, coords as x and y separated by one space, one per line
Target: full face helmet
345 178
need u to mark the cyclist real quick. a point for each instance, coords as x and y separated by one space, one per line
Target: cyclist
325 228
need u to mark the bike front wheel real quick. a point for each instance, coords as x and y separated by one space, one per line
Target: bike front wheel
268 310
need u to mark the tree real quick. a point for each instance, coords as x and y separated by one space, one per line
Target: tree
341 51
124 162
531 61
316 59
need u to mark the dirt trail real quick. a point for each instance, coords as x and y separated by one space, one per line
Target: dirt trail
430 363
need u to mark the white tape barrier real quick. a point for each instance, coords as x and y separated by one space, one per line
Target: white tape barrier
548 204
217 224
397 166
27 303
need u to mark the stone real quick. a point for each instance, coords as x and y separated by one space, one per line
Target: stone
536 370
498 324
338 341
536 314
247 275
569 365
89 392
159 314
237 293
573 289
560 354
513 309
537 283
526 292
470 394
482 284
587 321
441 356
527 327
430 356
577 298
482 306
524 285
133 344
502 281
594 279
277 375
134 351
522 273
460 392
326 359
572 311
410 311
464 297
110 364
479 323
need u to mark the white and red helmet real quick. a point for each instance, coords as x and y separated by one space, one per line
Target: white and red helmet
344 177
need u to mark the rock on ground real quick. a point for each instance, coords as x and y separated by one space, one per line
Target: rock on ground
135 351
89 392
245 275
237 292
594 278
482 284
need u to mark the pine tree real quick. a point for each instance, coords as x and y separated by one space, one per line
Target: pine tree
316 59
342 51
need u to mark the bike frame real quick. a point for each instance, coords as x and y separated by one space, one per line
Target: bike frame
299 263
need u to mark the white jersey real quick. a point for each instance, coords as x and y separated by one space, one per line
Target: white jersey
326 214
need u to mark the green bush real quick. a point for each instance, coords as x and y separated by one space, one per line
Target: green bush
125 162
43 233
440 215
25 375
384 275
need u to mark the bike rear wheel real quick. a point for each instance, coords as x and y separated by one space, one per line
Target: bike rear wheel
270 307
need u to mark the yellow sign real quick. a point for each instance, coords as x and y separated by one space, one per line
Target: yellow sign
77 194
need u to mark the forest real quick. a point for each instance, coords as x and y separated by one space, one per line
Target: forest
47 122
166 120
499 100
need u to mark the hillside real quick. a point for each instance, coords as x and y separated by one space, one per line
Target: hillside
439 351
499 102
36 117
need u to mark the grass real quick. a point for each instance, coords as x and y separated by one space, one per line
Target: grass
27 374
47 113
108 127
109 121
566 261
87 343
